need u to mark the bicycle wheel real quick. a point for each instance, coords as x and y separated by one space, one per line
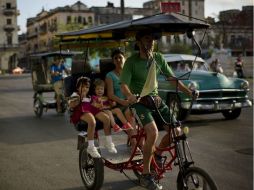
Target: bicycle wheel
195 179
38 107
63 104
91 170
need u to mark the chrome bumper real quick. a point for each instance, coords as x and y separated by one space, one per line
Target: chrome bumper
216 105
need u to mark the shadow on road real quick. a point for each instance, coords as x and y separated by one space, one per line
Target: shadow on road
123 185
203 122
29 129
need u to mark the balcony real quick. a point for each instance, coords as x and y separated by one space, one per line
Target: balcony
6 47
31 35
9 27
11 12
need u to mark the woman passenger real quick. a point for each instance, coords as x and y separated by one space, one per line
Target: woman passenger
114 91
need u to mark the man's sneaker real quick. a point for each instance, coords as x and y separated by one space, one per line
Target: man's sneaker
111 147
147 181
92 150
127 126
116 128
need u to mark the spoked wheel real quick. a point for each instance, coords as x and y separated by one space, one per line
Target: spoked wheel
63 104
91 170
195 179
38 107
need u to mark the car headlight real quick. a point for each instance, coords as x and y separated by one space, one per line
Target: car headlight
192 86
245 85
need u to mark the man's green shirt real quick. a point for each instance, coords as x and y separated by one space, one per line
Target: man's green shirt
135 71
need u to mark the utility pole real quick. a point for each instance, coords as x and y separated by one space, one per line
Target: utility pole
190 9
122 9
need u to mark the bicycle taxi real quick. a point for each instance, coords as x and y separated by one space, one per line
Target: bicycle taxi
178 153
41 79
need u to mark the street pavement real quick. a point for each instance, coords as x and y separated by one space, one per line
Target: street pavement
41 154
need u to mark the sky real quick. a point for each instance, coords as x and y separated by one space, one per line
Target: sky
29 8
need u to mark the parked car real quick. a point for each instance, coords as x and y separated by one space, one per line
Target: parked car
217 92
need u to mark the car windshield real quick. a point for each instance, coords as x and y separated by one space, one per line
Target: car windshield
186 65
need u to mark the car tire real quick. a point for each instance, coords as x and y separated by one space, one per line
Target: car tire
174 103
232 114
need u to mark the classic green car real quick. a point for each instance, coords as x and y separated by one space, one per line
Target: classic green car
217 93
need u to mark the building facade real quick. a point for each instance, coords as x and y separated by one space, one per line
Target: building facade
8 35
111 14
193 8
42 28
235 30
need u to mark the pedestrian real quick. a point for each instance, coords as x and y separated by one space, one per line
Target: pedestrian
215 66
239 67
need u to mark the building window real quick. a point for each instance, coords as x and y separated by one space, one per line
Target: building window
84 21
183 2
8 5
90 20
9 39
232 39
80 20
68 19
183 11
8 21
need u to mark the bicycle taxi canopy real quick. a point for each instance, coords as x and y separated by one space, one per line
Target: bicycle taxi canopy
41 62
163 24
119 33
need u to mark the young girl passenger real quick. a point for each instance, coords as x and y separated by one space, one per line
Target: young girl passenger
80 103
103 103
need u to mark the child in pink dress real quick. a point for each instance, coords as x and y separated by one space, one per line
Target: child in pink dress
80 103
103 103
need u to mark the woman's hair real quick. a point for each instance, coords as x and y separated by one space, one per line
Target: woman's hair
82 81
99 82
116 52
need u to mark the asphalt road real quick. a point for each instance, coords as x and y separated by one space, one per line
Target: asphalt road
41 154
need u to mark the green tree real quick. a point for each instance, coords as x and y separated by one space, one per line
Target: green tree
181 48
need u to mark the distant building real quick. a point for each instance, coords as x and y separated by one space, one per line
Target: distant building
235 30
188 7
111 14
8 35
42 28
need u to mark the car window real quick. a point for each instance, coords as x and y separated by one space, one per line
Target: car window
185 66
